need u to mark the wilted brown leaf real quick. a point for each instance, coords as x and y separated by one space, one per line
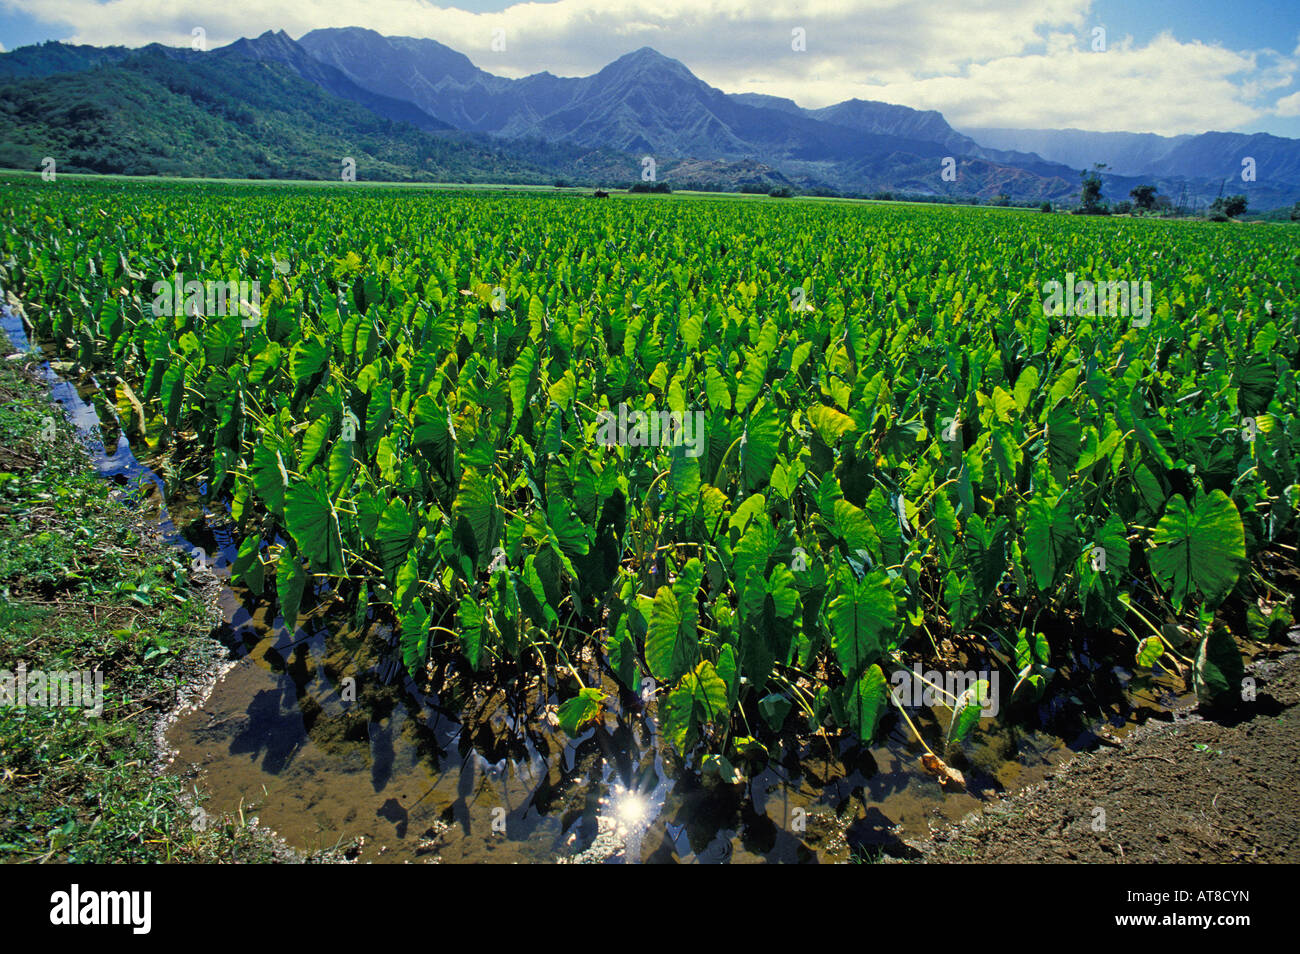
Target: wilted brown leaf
940 770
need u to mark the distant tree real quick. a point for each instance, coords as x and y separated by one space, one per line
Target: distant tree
1295 212
1234 205
1229 206
781 193
1001 199
1047 207
1144 196
1123 207
1090 192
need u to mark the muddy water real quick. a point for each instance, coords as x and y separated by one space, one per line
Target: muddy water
397 776
321 736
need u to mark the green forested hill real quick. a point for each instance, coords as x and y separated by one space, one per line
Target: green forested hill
47 59
158 115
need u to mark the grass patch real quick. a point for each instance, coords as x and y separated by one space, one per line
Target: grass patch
82 588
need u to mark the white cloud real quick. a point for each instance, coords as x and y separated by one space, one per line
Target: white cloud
1288 105
1166 87
982 62
577 37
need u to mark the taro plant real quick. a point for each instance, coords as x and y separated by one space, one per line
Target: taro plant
910 455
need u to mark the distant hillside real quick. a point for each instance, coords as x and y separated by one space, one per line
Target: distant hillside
885 119
153 114
1128 154
1203 163
47 59
280 49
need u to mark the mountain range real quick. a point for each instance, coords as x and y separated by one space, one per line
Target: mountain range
415 109
1206 156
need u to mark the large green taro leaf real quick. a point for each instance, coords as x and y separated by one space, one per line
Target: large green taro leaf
861 614
290 579
1050 539
768 612
476 508
314 527
393 535
1200 549
671 642
580 710
865 701
699 698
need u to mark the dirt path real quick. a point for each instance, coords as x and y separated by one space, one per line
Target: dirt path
1192 790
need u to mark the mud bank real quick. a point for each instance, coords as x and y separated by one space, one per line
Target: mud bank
1197 789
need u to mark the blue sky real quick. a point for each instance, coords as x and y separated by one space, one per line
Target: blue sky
1238 26
1166 66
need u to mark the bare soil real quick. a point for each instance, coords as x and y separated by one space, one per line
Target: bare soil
1204 788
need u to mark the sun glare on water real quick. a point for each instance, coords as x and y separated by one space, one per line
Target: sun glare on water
630 809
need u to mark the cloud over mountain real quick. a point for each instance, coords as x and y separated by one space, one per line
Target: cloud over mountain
983 64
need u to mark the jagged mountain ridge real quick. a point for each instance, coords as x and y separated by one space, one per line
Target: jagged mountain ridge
645 100
647 103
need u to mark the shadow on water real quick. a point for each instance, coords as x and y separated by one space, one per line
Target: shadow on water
321 735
